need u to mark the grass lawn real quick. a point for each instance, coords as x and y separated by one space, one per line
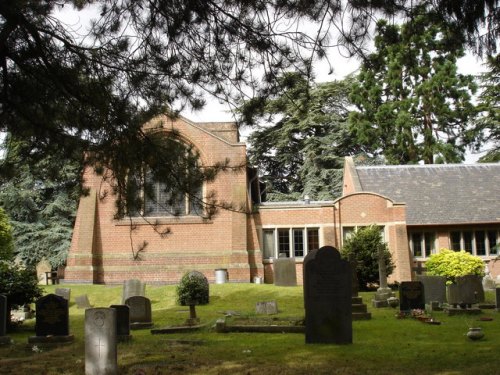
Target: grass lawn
382 345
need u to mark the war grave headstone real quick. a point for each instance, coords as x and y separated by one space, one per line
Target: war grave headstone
82 302
411 296
267 308
465 292
327 297
285 273
52 320
133 288
383 292
100 342
434 290
122 322
64 292
140 312
4 339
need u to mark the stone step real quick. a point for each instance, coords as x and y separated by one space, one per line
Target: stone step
361 316
356 300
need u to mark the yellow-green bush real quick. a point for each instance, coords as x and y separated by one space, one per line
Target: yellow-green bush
453 264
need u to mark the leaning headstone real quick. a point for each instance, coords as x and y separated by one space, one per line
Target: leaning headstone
52 320
122 322
267 308
327 297
140 312
434 288
3 321
133 288
411 296
82 302
285 273
100 342
64 292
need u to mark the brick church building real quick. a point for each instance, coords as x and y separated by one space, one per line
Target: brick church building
419 209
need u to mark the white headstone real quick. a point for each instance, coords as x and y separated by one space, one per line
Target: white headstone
100 342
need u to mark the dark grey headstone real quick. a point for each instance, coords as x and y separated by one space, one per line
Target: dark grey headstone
82 302
467 290
327 297
434 288
100 342
497 298
133 288
140 311
285 273
411 296
64 292
122 321
268 308
52 316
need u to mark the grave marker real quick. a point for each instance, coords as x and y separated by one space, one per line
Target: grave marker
268 308
82 302
122 322
100 342
64 292
434 288
285 273
133 288
52 320
327 297
411 296
140 312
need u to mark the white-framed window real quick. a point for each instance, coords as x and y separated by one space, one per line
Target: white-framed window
480 242
422 244
348 231
289 242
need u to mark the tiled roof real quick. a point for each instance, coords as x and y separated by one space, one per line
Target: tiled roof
439 194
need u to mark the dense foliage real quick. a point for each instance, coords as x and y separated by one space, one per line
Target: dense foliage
6 239
452 264
363 246
412 104
193 289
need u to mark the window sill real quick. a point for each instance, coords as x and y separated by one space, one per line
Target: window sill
164 220
271 260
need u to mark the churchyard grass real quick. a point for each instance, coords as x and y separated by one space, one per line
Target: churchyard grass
382 345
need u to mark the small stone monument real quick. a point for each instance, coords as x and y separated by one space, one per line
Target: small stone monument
133 288
82 302
266 308
122 322
100 342
140 312
383 292
285 273
4 340
327 297
52 320
64 292
411 296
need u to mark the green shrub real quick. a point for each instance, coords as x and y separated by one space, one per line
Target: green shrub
193 289
453 264
364 246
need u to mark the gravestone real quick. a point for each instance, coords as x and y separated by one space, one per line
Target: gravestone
467 290
64 292
133 288
411 296
100 342
268 308
327 297
497 298
122 322
383 292
3 321
434 288
285 273
140 312
82 302
52 320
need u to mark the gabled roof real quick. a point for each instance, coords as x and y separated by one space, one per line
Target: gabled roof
440 193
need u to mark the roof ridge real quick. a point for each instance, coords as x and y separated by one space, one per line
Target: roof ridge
427 166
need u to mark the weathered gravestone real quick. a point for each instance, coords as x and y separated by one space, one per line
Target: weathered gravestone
100 342
52 320
3 321
411 296
466 291
122 322
133 288
285 273
268 308
140 312
82 302
434 288
327 297
64 292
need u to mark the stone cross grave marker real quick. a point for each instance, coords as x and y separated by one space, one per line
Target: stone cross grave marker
133 288
100 342
122 322
140 312
327 297
434 288
411 296
64 292
52 320
285 273
3 321
82 302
